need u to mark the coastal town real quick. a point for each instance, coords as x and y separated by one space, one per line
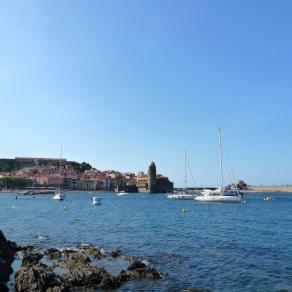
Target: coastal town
31 173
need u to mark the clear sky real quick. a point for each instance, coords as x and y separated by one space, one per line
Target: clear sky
122 83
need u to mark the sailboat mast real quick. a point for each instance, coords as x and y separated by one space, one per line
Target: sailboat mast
185 158
221 158
60 168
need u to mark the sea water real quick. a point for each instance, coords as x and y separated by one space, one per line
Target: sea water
221 247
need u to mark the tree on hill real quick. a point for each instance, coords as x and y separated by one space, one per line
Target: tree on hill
85 166
80 166
14 182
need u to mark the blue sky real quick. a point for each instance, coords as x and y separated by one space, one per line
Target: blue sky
122 83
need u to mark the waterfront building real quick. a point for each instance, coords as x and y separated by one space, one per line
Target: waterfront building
142 182
89 185
57 181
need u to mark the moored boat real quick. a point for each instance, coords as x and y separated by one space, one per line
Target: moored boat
60 196
222 194
181 196
122 193
96 201
219 196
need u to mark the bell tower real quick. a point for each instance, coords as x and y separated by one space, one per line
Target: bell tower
152 178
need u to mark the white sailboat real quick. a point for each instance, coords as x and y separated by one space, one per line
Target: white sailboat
221 194
59 195
183 195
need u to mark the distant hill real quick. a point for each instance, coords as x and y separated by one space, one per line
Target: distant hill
9 165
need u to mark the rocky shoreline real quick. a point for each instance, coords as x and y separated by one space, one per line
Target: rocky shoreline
57 270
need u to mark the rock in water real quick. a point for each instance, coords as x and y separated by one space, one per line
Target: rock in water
73 259
53 254
116 253
30 258
7 251
140 270
137 264
85 276
95 252
37 277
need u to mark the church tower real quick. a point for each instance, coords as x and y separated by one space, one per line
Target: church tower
152 178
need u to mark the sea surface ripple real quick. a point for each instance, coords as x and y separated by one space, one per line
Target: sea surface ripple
221 247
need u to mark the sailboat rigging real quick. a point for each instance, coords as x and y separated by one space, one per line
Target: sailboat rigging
224 195
59 195
183 195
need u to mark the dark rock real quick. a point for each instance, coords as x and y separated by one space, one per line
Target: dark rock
7 251
30 258
3 287
53 253
145 273
116 253
26 248
140 270
96 253
137 264
13 246
74 259
37 277
88 277
123 276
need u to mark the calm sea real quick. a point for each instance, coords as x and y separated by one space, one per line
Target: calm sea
221 247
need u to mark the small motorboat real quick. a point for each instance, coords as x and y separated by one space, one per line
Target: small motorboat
123 193
96 201
268 198
59 196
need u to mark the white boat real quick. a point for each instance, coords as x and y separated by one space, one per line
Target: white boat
122 193
219 196
222 195
59 195
183 195
96 201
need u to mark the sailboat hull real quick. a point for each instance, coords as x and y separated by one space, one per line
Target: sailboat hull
219 199
181 196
